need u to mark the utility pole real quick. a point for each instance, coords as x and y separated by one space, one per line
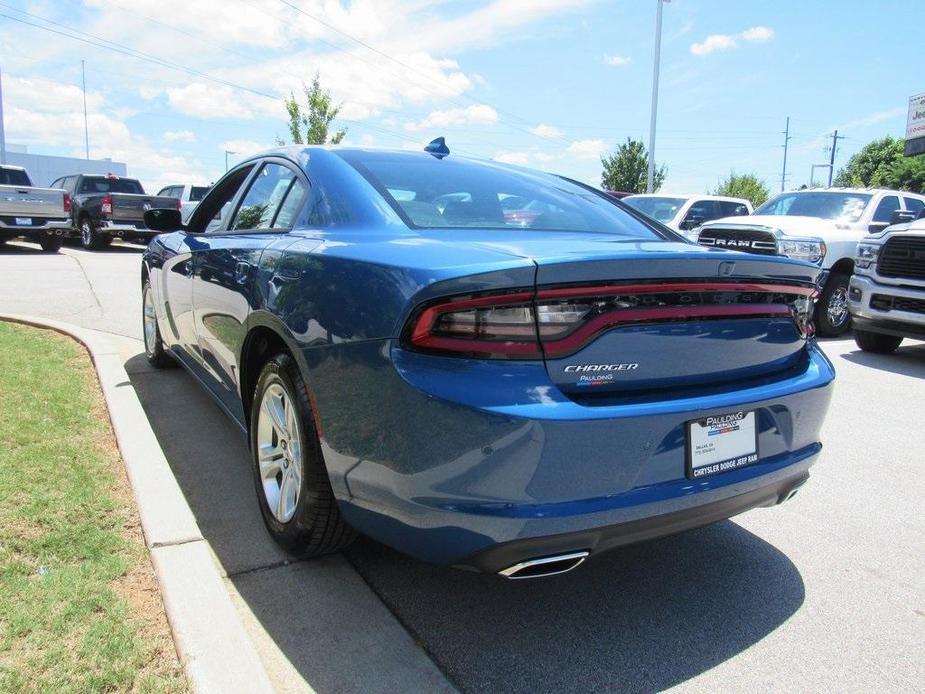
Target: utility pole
783 171
650 179
83 81
835 138
2 130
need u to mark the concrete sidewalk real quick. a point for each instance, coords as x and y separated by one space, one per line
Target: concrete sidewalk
245 617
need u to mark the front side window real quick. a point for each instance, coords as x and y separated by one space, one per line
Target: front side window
702 209
887 207
212 212
264 198
731 209
843 207
455 193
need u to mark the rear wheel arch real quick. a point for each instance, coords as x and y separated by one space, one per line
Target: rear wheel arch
261 344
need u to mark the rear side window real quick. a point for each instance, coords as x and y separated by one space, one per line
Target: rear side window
105 184
14 177
914 204
264 199
455 193
887 206
197 193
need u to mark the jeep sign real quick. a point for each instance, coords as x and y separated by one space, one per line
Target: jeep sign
915 126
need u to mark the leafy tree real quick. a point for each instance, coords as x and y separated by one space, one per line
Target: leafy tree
746 186
627 169
309 124
872 166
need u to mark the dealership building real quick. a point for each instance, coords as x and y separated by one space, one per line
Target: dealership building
43 168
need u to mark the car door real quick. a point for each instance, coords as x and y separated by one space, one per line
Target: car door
177 271
226 262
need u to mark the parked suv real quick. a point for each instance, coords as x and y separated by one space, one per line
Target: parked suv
822 226
685 213
106 207
886 296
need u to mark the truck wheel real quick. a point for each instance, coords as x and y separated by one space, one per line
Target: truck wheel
50 244
90 238
832 317
877 343
293 489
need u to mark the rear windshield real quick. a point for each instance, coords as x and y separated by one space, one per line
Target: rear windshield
196 193
661 208
462 194
14 177
844 207
104 184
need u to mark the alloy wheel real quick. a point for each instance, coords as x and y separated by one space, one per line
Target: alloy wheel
837 310
150 321
279 452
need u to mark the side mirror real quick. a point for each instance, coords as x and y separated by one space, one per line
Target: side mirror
901 217
692 222
167 219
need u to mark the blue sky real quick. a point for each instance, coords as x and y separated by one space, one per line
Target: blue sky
545 83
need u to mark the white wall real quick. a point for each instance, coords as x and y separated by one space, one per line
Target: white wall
44 169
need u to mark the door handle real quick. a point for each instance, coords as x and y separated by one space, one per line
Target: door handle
242 271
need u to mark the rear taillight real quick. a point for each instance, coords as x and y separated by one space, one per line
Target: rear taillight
67 202
558 322
106 205
179 205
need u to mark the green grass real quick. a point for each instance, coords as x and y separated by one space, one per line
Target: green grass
79 608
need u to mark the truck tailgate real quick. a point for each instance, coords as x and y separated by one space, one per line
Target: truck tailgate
130 207
45 203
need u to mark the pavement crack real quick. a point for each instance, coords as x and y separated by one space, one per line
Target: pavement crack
267 567
83 271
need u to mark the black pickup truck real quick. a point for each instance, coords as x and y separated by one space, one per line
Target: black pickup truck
107 207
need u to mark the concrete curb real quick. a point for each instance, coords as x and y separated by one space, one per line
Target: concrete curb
213 645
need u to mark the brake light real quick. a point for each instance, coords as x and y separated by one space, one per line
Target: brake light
67 201
106 205
179 205
558 322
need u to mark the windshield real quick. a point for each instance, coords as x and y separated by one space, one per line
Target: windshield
843 207
658 208
196 193
105 184
459 194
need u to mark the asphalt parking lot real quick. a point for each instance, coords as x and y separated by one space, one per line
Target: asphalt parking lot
825 592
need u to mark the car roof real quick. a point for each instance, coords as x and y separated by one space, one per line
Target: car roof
865 191
688 196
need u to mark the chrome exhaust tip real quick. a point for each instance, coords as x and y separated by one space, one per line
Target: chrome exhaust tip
545 566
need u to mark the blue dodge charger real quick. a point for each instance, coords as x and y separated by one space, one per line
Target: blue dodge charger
482 365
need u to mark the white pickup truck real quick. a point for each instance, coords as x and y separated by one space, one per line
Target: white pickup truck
822 226
41 215
886 296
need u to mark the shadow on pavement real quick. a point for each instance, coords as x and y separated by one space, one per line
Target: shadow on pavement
642 618
908 360
20 249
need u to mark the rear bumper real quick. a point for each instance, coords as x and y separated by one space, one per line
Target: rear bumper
446 460
48 225
597 540
117 228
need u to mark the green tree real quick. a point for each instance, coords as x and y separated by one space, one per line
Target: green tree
627 169
746 186
309 124
873 165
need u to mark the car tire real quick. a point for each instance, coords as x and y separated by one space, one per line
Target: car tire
91 238
832 317
877 343
50 244
155 353
293 488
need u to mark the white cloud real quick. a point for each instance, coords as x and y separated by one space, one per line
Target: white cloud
519 158
617 60
722 42
546 131
477 114
758 34
180 136
587 149
205 100
46 95
713 43
242 148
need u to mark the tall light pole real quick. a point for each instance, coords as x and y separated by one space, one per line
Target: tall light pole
2 131
658 52
83 82
227 152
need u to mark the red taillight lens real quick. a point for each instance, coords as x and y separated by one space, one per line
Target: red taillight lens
496 326
561 321
106 205
67 202
179 205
